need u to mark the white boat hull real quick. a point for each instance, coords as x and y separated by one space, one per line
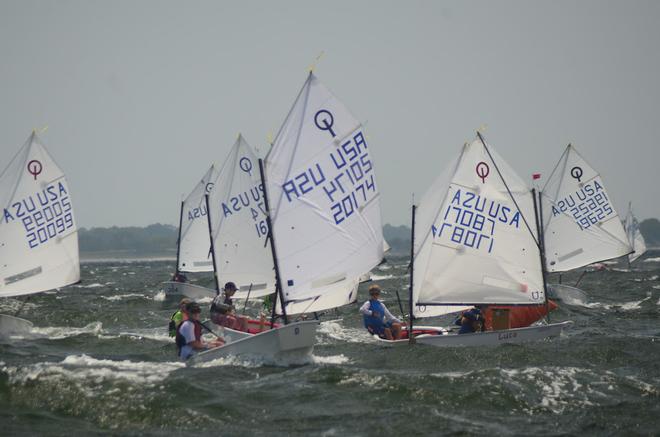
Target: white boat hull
10 325
494 338
191 291
288 344
489 338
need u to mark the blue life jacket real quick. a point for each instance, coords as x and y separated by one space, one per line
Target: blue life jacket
374 306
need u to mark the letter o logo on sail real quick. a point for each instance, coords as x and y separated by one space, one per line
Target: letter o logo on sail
324 120
34 167
577 173
209 187
246 165
483 170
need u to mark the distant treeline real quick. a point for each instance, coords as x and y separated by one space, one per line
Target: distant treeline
650 229
152 239
162 238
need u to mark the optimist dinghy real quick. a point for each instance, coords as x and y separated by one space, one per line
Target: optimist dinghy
477 246
38 233
580 224
323 225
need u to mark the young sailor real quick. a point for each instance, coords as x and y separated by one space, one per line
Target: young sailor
178 317
377 318
189 334
223 312
471 321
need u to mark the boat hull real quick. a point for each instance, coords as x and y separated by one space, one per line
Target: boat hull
488 338
191 291
495 338
286 345
10 325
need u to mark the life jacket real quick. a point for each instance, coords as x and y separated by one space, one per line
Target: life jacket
175 321
374 306
181 340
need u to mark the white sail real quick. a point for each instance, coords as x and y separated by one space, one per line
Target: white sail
38 232
238 218
473 243
324 198
580 222
635 237
194 241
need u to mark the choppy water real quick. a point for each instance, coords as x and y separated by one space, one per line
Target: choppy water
100 360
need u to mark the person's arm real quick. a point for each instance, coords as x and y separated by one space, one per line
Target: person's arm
388 315
364 309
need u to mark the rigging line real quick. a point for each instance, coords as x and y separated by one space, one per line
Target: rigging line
552 173
509 191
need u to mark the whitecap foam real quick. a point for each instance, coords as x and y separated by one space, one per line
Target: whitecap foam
160 296
92 285
86 368
60 332
122 296
332 359
652 260
381 277
334 330
364 380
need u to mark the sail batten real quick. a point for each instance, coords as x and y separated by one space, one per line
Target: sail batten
38 231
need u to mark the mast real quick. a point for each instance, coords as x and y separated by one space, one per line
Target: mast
271 236
215 268
178 239
538 216
411 339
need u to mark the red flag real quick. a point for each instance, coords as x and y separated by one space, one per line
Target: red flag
536 176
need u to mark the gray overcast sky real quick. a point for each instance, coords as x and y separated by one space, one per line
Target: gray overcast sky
141 96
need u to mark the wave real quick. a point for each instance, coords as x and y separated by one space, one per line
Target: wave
61 332
96 371
334 330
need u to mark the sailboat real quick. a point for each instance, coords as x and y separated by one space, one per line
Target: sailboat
322 216
479 243
38 232
581 225
635 237
193 254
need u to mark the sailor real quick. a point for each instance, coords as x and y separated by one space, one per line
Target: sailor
377 318
223 312
178 317
471 321
189 334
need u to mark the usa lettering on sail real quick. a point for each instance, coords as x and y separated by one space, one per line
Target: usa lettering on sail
44 215
470 220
